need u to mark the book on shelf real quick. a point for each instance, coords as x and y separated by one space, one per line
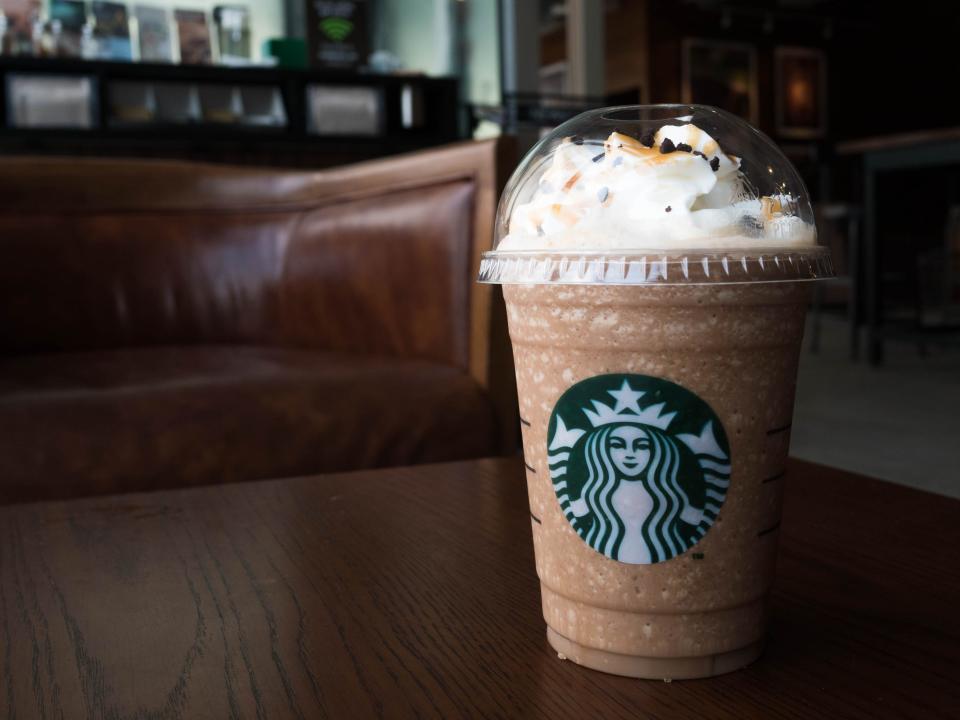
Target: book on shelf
233 33
68 18
111 30
193 32
20 17
153 32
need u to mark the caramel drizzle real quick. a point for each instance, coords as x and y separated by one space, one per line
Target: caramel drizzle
568 185
770 207
564 214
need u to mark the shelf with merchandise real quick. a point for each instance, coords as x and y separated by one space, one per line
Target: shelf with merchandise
47 104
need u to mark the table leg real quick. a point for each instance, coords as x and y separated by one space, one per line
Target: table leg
871 277
853 269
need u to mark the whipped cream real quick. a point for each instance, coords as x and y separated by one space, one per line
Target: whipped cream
675 190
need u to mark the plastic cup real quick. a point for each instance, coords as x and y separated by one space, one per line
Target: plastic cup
656 390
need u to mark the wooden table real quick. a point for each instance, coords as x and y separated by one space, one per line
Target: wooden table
411 593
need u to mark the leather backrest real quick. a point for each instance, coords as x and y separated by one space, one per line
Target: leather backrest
380 257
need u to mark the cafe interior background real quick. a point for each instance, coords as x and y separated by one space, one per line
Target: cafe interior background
858 95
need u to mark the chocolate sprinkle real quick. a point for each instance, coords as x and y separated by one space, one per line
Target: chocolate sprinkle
751 226
683 147
697 152
577 140
598 158
668 208
602 194
715 163
618 161
667 146
647 139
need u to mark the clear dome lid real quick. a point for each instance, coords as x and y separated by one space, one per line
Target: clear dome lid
645 193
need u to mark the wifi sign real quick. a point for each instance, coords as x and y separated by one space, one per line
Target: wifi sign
336 28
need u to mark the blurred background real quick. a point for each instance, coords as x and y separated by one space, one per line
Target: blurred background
858 94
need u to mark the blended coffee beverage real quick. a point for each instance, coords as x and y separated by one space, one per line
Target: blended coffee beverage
654 288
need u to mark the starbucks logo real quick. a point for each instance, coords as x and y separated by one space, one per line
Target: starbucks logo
640 466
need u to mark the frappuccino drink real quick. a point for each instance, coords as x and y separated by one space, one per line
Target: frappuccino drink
655 264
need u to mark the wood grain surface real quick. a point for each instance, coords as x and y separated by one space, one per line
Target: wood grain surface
899 140
412 593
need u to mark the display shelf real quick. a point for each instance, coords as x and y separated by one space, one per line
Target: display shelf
256 115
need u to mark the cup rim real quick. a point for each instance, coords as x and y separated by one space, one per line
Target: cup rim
657 267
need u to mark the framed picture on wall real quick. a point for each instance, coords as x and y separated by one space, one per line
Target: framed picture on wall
722 74
800 78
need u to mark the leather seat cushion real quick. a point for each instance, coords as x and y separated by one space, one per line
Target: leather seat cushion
128 420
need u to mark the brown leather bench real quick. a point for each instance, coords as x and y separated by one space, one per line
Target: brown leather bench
166 324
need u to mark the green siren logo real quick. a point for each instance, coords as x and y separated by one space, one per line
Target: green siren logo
640 466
